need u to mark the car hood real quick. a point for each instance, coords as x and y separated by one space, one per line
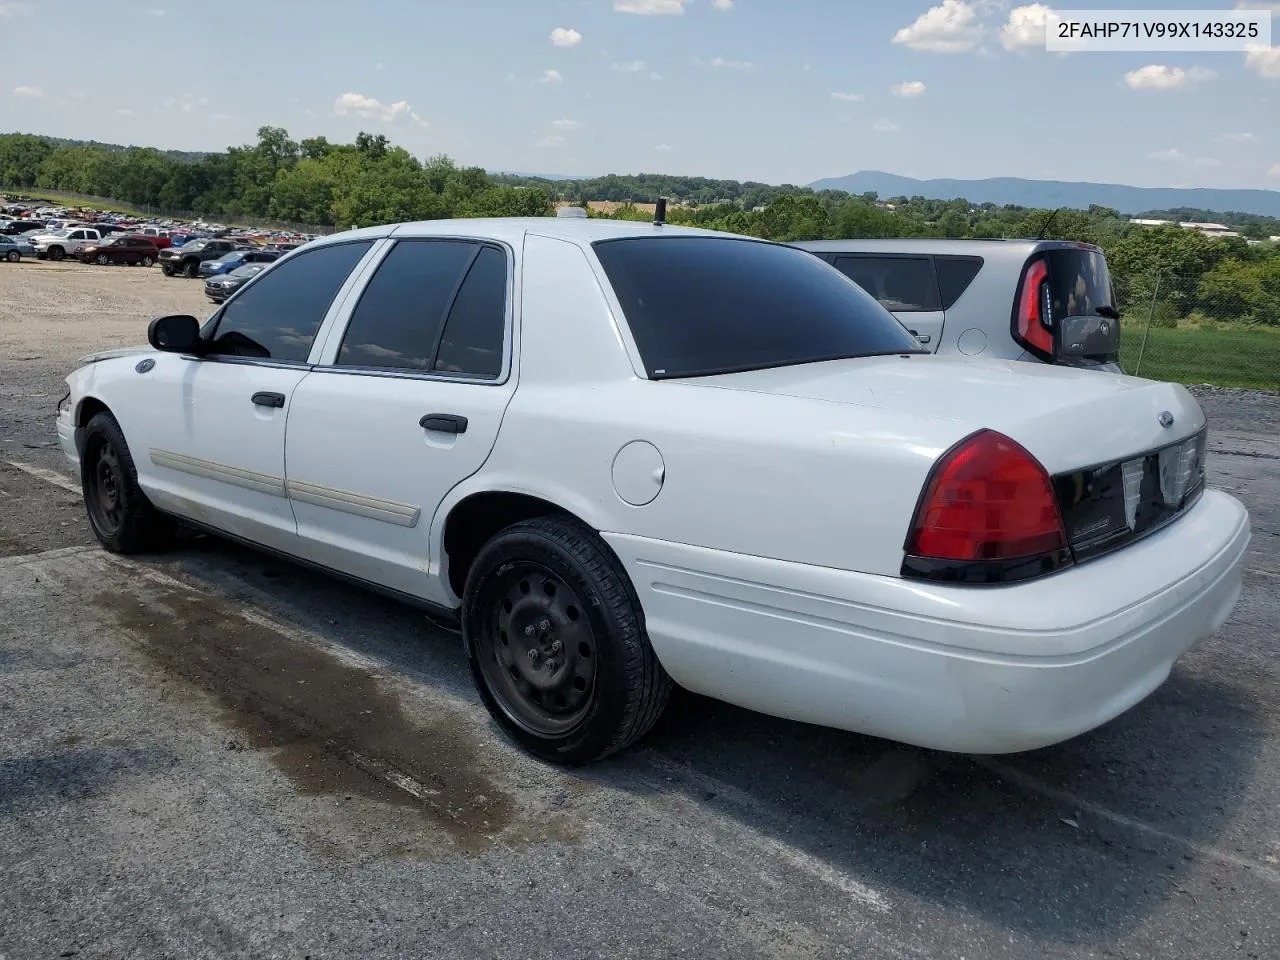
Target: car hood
1067 417
112 354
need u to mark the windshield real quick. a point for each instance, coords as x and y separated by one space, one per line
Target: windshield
1079 283
705 305
243 273
194 245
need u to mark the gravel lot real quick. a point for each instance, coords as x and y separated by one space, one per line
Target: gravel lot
214 754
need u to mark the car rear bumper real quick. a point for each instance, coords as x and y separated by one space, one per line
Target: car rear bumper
969 669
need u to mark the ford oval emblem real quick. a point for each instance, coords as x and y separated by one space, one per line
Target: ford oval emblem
1166 418
144 365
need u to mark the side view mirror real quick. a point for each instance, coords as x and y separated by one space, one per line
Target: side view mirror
178 333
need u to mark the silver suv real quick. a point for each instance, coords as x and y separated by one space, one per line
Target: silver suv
1045 300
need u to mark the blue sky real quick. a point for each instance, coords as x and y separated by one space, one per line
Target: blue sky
772 90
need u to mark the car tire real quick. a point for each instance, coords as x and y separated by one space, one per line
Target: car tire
167 269
192 269
556 643
13 256
102 260
120 515
56 253
146 261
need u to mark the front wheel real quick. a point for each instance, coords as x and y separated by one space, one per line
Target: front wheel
121 516
102 260
56 253
146 261
556 642
192 269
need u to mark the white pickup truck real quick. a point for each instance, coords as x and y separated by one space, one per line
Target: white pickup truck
65 243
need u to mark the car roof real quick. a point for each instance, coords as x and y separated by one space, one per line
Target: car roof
932 245
513 229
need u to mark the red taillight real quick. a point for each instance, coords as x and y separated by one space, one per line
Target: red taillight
987 499
1034 316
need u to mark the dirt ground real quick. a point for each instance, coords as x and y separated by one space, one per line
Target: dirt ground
211 753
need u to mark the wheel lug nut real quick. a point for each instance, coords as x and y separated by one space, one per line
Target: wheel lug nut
529 630
544 625
533 655
553 665
556 646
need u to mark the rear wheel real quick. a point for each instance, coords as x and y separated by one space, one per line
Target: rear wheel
13 256
121 516
192 269
556 643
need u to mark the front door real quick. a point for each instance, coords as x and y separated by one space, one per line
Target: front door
214 448
405 404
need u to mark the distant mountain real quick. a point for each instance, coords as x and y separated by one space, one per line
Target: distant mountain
1049 194
536 176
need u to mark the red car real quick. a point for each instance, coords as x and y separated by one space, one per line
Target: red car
122 249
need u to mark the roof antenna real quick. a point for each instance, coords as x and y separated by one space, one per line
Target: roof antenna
1048 223
660 212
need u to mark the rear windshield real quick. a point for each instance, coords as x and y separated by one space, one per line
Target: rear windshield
705 305
1078 283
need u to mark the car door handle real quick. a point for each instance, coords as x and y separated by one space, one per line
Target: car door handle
922 337
265 398
444 423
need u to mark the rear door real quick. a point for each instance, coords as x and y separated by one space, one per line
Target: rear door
906 285
404 405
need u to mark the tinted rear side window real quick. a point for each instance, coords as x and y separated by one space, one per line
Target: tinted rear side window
902 284
474 333
954 276
705 305
397 323
278 317
1079 282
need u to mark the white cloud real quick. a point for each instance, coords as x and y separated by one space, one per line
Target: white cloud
156 12
550 76
33 93
1172 155
731 64
11 8
655 76
379 66
1025 27
670 8
1264 61
885 126
552 141
722 4
850 97
950 27
566 124
909 88
667 148
630 66
1155 76
565 37
371 109
124 112
1274 172
1236 138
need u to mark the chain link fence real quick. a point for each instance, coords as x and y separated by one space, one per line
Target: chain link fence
1186 330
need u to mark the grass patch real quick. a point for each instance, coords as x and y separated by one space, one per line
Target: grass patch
1228 356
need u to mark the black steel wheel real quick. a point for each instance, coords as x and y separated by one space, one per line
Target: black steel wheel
556 642
120 515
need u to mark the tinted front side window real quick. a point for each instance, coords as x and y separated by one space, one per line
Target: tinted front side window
396 325
703 305
277 318
473 334
899 283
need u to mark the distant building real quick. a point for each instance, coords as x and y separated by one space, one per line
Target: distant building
1208 229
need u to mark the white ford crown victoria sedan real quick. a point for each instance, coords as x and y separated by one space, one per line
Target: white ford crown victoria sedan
628 455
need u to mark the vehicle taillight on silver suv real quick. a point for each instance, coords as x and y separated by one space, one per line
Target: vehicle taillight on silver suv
1064 310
